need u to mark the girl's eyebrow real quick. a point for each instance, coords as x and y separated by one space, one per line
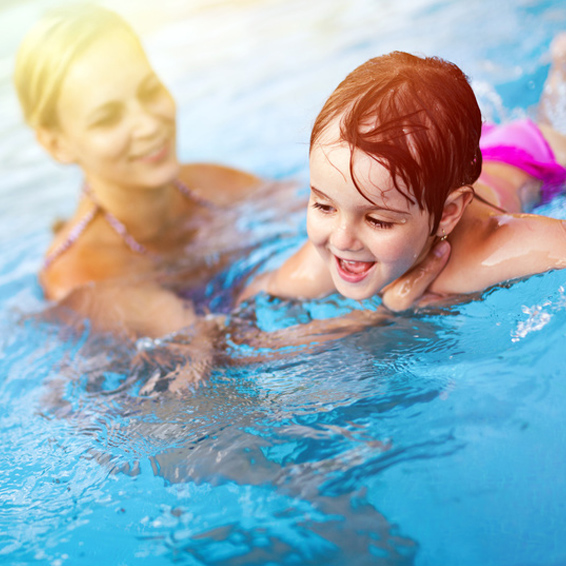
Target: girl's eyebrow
374 206
319 193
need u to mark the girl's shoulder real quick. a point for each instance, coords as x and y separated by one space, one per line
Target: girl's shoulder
502 247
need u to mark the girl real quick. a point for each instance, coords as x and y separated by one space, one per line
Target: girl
396 166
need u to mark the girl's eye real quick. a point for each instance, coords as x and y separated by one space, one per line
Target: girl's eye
376 223
325 208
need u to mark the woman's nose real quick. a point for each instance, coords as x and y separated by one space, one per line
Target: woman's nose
344 237
145 123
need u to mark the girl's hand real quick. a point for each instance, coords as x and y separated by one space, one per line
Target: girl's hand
410 290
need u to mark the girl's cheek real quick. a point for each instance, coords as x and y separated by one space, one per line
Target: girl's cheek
314 236
313 227
396 247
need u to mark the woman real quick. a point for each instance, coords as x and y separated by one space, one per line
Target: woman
89 92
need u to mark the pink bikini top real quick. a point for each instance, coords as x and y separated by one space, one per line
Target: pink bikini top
119 228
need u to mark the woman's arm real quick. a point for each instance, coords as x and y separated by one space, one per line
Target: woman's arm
174 348
128 308
116 290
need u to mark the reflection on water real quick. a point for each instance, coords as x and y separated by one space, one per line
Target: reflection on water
431 439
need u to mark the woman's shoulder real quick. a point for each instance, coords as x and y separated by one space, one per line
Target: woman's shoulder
220 184
81 255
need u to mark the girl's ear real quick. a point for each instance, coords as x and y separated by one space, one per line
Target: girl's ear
454 208
54 143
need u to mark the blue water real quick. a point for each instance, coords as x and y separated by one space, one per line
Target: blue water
436 439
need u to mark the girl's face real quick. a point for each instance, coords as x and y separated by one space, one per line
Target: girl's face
366 245
116 119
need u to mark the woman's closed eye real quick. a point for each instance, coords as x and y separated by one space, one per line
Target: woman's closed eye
108 117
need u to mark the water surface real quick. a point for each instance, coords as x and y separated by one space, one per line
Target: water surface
429 439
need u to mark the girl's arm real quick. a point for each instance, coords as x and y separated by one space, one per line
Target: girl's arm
305 276
528 244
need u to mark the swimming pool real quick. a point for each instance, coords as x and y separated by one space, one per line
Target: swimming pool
436 439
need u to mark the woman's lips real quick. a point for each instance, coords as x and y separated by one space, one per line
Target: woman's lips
353 271
154 155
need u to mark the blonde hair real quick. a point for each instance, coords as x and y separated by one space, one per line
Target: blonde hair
48 51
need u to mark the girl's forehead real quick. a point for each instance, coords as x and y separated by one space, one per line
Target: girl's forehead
343 173
337 161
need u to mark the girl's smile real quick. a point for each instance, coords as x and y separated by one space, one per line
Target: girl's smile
353 271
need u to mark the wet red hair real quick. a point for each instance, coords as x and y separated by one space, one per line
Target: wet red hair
416 116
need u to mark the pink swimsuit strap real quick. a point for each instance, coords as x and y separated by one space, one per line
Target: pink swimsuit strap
116 225
73 236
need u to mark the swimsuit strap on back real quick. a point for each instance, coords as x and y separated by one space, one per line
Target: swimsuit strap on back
118 226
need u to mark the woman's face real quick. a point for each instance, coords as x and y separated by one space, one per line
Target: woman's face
366 245
116 119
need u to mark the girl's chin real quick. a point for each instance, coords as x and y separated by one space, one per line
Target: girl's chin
361 292
355 294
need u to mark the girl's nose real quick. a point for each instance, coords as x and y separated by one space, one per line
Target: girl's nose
344 237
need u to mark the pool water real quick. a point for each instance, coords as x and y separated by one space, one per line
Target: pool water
433 439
